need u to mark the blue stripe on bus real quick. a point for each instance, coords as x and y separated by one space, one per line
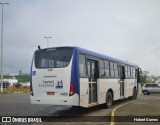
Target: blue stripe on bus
85 51
75 68
30 78
75 72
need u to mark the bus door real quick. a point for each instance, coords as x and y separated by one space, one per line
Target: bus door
92 68
138 79
122 77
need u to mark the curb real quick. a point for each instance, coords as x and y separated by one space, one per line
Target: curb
16 92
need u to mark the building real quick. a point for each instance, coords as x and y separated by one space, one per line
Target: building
12 81
25 84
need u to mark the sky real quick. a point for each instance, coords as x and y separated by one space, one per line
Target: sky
125 29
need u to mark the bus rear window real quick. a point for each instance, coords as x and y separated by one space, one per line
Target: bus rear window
53 58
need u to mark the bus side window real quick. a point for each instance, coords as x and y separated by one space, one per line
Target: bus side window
116 70
82 66
102 72
112 70
107 68
134 73
129 72
126 71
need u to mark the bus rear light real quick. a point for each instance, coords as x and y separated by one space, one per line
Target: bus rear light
71 90
31 89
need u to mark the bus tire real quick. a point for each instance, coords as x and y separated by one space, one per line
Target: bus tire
109 100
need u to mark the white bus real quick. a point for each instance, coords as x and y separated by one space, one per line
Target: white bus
79 77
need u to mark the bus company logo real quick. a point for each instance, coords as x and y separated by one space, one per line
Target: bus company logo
47 84
48 81
59 84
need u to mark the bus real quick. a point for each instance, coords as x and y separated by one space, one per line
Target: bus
79 77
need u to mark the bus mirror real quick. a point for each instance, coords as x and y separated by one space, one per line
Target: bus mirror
39 47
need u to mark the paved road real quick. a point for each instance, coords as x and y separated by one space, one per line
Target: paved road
147 106
19 105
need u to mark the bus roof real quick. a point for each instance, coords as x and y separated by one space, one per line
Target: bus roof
96 54
104 56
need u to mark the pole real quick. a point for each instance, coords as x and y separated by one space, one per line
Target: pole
2 49
2 52
47 41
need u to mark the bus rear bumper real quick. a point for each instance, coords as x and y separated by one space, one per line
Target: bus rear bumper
72 100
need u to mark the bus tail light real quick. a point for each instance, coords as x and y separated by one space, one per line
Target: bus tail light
71 90
50 93
31 89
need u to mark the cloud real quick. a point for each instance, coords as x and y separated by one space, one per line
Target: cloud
123 29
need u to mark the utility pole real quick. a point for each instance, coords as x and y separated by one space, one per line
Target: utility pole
2 48
47 40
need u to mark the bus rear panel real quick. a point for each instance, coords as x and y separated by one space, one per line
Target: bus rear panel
51 77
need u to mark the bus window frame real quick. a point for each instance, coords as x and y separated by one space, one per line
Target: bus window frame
114 69
86 75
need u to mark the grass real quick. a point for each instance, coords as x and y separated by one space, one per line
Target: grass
13 89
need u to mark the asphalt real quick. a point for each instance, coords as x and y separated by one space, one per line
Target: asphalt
19 105
140 111
140 108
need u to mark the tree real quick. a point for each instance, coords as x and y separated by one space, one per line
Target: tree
23 78
144 77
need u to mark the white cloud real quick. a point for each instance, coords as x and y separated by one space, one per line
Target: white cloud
124 29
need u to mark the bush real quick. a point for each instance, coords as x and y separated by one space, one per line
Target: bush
18 85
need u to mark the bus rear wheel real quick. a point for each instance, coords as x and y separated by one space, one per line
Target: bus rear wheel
109 99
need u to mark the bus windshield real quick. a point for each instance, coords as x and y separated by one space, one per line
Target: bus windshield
53 58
